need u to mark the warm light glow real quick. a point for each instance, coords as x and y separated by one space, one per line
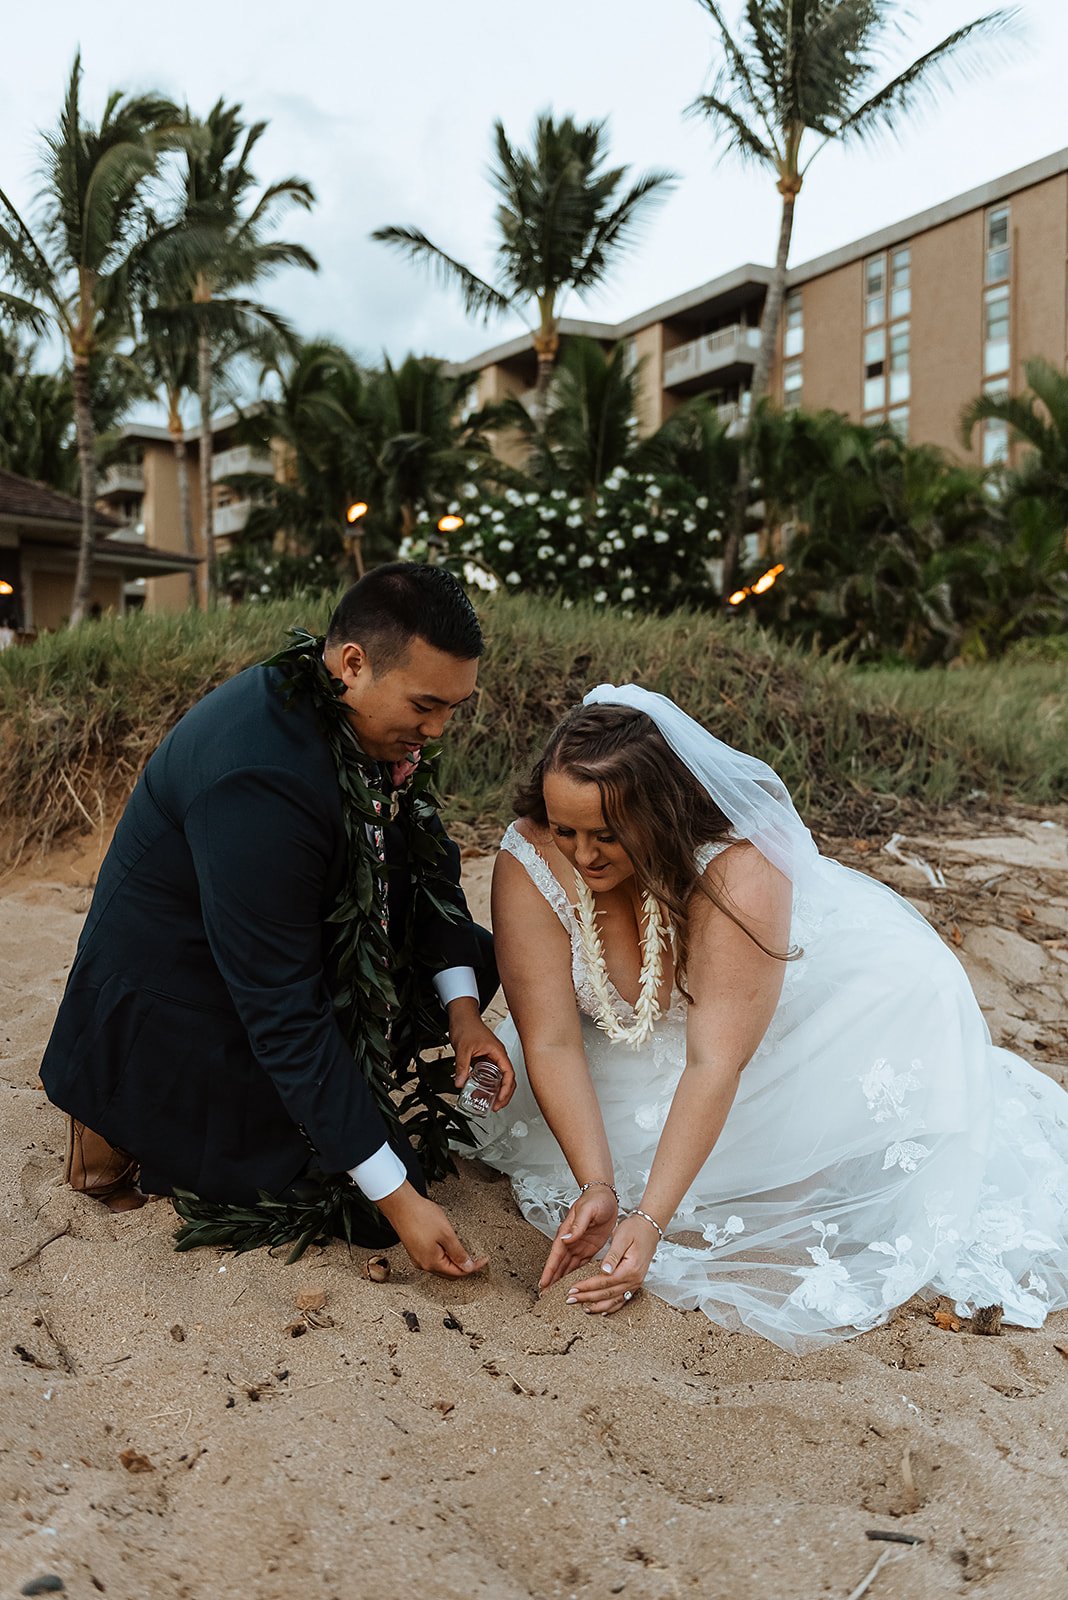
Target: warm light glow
765 582
5 588
450 524
356 511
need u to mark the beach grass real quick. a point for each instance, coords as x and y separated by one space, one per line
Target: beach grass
81 710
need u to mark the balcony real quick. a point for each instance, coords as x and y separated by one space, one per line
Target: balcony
231 519
122 479
132 533
242 458
712 354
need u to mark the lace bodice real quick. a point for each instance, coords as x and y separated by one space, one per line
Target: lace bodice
551 889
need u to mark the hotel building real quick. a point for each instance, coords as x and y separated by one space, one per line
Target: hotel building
905 326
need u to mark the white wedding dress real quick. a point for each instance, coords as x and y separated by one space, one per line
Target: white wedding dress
879 1144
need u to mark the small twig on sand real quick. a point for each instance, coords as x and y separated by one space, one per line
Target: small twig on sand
238 1295
64 1354
518 1385
865 1583
52 1237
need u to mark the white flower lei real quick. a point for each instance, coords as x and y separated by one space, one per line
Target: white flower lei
647 1009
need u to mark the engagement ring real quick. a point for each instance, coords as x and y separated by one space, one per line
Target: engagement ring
627 1294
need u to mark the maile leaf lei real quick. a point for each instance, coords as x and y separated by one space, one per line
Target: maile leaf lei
382 997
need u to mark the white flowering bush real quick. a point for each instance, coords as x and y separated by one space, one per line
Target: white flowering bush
645 542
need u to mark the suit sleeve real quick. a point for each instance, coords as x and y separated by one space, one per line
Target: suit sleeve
441 941
262 847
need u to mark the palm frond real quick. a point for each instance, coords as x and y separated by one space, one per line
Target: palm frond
480 298
737 74
905 92
739 135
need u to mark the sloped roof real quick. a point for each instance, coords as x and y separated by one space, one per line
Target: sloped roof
36 502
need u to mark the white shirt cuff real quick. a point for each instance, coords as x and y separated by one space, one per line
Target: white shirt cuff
380 1174
456 983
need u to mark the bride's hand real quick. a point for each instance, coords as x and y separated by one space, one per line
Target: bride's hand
581 1234
622 1271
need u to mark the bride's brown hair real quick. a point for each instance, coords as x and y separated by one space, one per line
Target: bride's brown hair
652 802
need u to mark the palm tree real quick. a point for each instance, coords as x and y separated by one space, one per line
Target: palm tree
884 558
421 448
390 438
217 248
800 74
561 221
315 416
1039 420
36 419
72 274
589 425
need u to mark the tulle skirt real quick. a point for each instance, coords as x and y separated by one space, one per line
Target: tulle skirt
879 1144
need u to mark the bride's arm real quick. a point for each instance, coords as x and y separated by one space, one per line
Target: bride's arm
735 988
534 959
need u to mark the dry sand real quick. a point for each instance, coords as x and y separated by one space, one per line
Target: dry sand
164 1436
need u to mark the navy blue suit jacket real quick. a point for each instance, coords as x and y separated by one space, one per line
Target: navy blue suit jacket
196 1030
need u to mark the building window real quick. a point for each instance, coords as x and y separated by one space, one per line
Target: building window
997 245
995 432
899 363
793 339
900 283
875 369
791 384
996 331
886 339
630 354
875 291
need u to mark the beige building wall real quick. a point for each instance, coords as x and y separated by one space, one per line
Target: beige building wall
162 517
53 593
832 314
655 403
1038 229
946 337
504 381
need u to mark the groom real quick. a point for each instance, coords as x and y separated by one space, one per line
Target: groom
197 1031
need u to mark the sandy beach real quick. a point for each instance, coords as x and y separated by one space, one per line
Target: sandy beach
175 1428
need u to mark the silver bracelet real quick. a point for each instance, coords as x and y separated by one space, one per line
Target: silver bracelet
596 1183
647 1218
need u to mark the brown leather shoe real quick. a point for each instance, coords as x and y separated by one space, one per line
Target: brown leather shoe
96 1168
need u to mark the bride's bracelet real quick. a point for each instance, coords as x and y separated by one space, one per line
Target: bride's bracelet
596 1183
647 1218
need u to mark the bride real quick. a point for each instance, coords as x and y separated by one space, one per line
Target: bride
758 1077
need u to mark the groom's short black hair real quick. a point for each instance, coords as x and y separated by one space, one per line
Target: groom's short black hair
402 601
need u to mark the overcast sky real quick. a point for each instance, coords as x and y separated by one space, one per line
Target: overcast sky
387 109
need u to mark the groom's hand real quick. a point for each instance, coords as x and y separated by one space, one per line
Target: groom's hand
470 1037
427 1234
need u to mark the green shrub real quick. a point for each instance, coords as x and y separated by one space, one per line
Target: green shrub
81 710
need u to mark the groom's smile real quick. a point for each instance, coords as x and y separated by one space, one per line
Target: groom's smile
405 706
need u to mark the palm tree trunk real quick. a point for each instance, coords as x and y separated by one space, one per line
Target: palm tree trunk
546 347
769 331
83 421
207 520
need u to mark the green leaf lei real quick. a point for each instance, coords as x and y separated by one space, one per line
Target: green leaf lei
383 998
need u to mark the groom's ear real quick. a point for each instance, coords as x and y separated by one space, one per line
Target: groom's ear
352 660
